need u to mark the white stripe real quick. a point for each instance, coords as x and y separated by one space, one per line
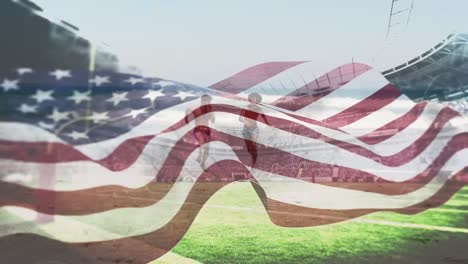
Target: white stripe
14 131
28 224
286 81
346 96
381 117
136 221
82 174
312 195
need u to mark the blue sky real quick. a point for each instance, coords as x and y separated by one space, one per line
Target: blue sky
202 41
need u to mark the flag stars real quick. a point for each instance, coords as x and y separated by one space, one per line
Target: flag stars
134 80
117 98
27 109
58 116
8 85
60 74
98 117
78 97
42 96
183 95
152 95
23 71
75 135
134 113
100 80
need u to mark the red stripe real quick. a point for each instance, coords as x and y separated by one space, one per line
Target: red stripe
253 76
365 107
324 85
395 126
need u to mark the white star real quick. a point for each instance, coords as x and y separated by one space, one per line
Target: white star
8 85
46 126
164 83
60 74
78 97
100 80
152 95
135 113
42 96
97 117
134 80
24 108
118 97
58 116
75 135
183 95
23 71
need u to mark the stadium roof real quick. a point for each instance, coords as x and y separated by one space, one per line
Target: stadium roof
438 74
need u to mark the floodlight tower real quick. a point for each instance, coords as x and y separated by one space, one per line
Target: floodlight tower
396 11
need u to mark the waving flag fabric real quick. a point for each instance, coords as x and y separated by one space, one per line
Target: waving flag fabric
104 167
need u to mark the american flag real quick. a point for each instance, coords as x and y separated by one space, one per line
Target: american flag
100 167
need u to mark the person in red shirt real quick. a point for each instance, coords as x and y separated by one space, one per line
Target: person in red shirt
203 116
249 118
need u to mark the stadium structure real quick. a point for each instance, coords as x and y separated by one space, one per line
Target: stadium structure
34 41
436 75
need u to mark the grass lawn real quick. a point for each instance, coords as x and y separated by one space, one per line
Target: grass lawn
233 227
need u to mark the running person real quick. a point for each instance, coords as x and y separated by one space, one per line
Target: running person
249 118
203 116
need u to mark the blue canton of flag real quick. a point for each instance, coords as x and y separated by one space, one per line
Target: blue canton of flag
80 107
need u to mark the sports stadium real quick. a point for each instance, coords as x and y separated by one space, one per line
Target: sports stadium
436 75
239 224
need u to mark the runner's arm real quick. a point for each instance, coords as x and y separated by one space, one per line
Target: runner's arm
264 118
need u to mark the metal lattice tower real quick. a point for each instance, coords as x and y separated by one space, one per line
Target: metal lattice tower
400 11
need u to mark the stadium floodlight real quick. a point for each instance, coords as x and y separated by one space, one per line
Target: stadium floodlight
397 14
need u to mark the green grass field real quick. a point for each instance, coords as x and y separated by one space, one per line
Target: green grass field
233 227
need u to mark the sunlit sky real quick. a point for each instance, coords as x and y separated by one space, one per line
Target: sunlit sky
203 41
